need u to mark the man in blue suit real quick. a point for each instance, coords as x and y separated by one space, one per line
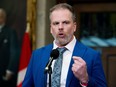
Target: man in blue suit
81 65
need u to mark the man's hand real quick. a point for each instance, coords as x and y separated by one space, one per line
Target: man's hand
79 69
8 75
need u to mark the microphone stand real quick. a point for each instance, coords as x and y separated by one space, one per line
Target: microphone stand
49 71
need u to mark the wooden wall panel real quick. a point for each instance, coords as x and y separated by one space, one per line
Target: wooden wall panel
111 71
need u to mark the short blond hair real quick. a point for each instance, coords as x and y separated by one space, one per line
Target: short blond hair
64 6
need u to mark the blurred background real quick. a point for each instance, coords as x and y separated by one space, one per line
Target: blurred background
96 20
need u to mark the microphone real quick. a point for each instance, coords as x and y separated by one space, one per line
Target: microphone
54 55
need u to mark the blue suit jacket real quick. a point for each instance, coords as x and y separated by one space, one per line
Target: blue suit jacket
35 76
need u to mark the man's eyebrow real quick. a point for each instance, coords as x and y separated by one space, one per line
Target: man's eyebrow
66 21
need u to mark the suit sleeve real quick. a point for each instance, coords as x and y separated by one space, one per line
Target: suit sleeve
28 80
14 52
35 76
96 76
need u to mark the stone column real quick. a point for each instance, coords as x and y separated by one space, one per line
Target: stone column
43 35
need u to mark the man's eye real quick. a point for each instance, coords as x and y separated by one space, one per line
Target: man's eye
56 23
66 22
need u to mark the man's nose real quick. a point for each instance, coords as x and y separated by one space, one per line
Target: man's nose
60 26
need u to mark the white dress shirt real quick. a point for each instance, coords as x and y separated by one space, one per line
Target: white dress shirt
67 55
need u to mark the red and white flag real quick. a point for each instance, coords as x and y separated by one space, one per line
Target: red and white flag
24 59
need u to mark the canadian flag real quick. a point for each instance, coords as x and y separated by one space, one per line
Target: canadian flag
24 59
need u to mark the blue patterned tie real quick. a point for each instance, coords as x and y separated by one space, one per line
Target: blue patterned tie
56 75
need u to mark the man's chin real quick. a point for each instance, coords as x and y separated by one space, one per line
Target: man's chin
61 43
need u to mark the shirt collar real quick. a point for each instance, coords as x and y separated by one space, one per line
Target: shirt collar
69 46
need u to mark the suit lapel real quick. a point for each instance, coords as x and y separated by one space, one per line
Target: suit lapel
79 50
45 59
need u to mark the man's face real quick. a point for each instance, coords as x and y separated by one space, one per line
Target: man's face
62 26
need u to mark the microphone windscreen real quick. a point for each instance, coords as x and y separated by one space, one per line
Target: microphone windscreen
54 53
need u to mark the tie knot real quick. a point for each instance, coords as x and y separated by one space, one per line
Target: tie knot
62 50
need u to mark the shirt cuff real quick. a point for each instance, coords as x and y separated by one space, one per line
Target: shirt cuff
9 72
83 84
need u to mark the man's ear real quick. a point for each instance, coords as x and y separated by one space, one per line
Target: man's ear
50 29
75 26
